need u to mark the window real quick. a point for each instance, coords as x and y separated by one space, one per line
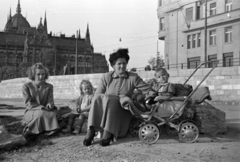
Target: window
228 5
193 40
228 34
213 9
228 59
212 58
189 14
188 41
160 3
212 37
193 62
198 39
198 10
162 23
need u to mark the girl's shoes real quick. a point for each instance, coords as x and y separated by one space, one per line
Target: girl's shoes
89 137
106 142
67 130
77 130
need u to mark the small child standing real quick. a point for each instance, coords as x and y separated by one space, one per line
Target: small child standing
80 107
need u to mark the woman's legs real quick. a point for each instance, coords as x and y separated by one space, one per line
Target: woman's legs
116 120
39 121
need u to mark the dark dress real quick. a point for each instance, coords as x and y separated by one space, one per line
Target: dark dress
106 112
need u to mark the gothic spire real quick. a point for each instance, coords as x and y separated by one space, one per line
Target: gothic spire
10 15
18 7
79 35
88 36
45 22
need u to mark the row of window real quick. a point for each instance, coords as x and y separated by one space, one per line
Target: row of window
189 11
212 10
193 62
194 40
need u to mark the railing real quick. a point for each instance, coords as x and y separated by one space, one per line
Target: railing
227 62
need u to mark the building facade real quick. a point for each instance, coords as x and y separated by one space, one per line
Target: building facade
193 33
22 45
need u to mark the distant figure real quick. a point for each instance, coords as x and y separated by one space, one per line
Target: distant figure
66 70
72 70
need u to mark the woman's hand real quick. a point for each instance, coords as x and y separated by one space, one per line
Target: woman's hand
50 106
79 110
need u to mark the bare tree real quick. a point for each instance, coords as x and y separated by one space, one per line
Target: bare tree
156 62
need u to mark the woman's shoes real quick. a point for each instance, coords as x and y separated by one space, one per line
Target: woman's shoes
106 142
87 142
89 137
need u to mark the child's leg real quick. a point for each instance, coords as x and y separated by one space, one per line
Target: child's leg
79 123
70 123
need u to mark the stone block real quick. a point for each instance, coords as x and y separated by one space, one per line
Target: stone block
210 119
226 87
4 134
8 141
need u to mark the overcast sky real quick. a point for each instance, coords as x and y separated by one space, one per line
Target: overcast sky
135 22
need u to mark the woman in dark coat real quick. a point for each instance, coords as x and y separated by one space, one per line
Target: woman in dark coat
106 112
40 113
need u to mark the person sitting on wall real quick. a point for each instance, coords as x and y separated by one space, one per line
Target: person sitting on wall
40 114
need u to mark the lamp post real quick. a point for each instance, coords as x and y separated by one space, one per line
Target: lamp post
55 53
76 55
55 57
205 32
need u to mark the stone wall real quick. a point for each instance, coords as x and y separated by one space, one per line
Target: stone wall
224 83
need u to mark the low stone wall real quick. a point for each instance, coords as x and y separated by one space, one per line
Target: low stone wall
224 83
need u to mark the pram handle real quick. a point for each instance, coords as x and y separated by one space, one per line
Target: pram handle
190 95
217 61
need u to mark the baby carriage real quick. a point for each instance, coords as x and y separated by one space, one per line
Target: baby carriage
178 113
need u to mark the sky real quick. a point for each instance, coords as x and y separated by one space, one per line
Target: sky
113 24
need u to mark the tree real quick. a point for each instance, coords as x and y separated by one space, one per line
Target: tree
133 69
156 62
152 62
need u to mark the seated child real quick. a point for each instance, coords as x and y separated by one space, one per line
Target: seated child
160 86
80 107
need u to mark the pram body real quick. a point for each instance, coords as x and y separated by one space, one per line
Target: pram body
175 113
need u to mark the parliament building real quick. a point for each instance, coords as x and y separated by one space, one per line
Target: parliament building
22 45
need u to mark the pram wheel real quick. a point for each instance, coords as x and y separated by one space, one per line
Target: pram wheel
149 133
134 127
188 132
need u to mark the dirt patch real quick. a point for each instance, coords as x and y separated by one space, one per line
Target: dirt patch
65 147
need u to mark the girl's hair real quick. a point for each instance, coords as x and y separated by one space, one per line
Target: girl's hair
120 53
163 70
31 72
85 82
